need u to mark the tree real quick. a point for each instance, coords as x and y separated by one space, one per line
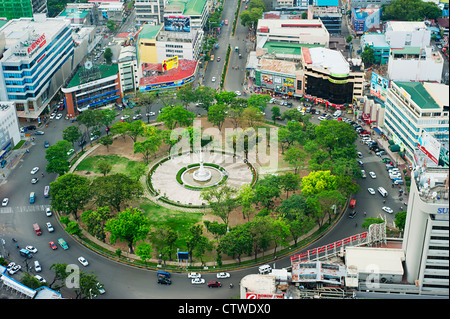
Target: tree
56 155
107 117
372 220
289 182
106 140
186 95
280 232
236 242
104 167
300 226
225 97
144 251
69 193
95 221
163 239
115 190
296 157
193 238
266 190
150 145
221 200
260 233
252 117
217 114
108 54
400 220
368 56
130 226
319 181
135 129
410 10
174 116
275 113
259 101
349 39
246 198
71 134
205 96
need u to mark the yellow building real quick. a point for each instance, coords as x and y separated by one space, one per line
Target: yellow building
147 44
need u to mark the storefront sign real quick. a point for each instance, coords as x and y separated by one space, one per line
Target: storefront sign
37 44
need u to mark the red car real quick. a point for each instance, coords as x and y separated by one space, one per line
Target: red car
53 245
214 284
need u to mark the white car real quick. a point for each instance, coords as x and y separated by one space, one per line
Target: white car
137 116
123 118
150 114
371 191
52 116
387 209
48 212
238 93
372 174
321 118
70 152
198 281
34 170
223 275
31 249
59 116
5 201
83 261
41 279
37 266
14 269
34 180
50 227
213 79
194 275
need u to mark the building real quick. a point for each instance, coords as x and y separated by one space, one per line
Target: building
426 238
313 273
366 3
9 127
147 44
329 12
400 34
149 11
93 86
413 108
37 58
415 64
362 19
185 45
107 10
196 10
292 31
377 41
329 76
128 69
16 9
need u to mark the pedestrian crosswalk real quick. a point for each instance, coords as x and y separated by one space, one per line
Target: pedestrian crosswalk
24 209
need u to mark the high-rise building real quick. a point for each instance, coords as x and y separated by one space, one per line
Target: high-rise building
426 238
149 11
36 60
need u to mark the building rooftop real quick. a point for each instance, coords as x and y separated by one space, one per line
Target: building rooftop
98 72
185 69
439 93
188 7
287 48
312 27
406 26
331 60
388 260
149 31
279 66
418 94
376 40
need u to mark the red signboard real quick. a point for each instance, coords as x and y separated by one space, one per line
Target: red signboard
254 295
38 43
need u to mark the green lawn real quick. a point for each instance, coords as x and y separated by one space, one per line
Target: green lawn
177 220
119 164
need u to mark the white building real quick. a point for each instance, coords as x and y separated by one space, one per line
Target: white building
36 60
415 64
9 127
292 31
414 107
400 34
128 69
426 238
185 45
149 11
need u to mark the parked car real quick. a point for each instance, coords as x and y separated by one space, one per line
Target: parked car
164 281
372 174
222 275
198 281
363 173
46 144
39 133
212 284
194 275
59 116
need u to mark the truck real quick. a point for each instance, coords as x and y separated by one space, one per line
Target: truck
37 229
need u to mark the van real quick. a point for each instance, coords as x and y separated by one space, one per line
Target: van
337 114
25 253
37 229
382 191
46 191
163 273
264 269
37 266
32 198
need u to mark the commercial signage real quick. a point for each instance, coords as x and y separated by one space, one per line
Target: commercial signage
37 44
288 82
253 295
167 85
429 146
177 23
266 78
379 86
170 63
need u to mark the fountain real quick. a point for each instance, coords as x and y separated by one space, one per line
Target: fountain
202 174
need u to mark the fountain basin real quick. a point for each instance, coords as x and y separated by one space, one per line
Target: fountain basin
193 177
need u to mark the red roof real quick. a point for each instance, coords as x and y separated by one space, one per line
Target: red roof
185 68
443 22
123 35
306 55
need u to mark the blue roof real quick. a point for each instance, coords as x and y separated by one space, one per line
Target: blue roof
324 3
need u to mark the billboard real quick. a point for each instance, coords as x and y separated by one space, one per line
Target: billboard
266 78
170 63
429 146
177 23
379 86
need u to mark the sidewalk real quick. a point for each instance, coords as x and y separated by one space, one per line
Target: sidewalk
14 157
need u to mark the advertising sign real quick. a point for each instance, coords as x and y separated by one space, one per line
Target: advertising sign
177 23
266 78
170 63
379 86
429 146
253 295
36 44
288 82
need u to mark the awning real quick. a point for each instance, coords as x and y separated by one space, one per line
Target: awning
394 148
377 130
391 142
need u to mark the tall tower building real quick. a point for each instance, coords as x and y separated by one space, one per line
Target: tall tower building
15 9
